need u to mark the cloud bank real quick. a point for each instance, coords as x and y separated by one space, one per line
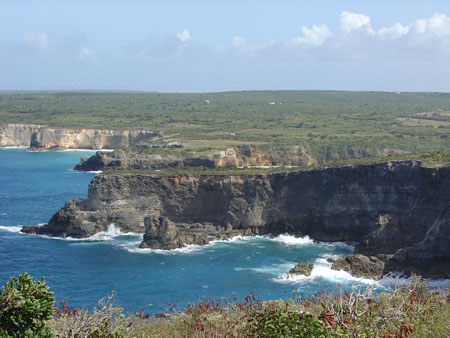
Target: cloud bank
356 47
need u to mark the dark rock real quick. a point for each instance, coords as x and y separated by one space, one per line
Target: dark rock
31 229
160 233
360 266
130 160
302 269
430 257
396 209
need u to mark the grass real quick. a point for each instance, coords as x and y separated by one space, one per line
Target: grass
408 311
325 123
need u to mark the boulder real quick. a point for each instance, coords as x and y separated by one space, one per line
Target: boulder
302 269
360 266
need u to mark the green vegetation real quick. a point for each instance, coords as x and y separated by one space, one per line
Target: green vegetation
434 159
408 311
325 123
25 305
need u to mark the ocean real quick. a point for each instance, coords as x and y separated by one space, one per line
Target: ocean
34 185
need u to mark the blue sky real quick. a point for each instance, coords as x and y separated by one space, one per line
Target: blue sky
192 46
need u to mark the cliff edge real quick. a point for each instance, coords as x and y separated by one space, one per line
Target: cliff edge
397 210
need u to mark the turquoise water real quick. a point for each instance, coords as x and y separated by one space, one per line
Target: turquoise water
35 185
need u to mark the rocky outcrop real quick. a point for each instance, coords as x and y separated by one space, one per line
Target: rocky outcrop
360 266
302 269
49 138
394 208
231 158
121 160
162 233
430 257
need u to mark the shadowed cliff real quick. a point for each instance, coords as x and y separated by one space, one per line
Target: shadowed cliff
396 210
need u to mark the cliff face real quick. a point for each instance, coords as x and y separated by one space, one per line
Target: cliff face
232 158
46 138
386 208
120 160
17 135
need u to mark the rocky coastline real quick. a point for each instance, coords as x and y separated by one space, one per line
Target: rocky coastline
238 157
397 212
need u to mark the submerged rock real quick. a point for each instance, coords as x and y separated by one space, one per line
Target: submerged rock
360 266
302 269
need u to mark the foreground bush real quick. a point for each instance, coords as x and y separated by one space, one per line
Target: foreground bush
25 305
412 311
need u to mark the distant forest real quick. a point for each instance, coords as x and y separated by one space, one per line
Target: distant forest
320 121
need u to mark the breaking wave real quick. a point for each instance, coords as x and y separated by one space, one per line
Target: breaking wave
133 247
14 147
292 240
111 234
11 228
322 270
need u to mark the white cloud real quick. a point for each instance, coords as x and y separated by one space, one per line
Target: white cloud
85 53
353 21
238 41
244 48
316 35
394 32
438 26
184 36
37 39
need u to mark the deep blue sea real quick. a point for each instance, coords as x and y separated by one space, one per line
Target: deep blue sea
34 185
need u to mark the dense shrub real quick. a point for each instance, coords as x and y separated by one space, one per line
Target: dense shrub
409 311
25 305
274 322
80 323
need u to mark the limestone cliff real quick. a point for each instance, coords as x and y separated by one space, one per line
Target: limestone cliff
17 135
394 208
39 137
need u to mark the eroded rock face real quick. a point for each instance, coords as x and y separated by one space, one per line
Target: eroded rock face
162 233
360 266
230 158
121 160
63 138
394 208
17 135
302 269
39 137
430 257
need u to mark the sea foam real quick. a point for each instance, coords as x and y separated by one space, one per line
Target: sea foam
291 240
11 228
111 234
322 270
14 147
133 247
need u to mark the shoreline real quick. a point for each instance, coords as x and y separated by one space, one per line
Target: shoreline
390 279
